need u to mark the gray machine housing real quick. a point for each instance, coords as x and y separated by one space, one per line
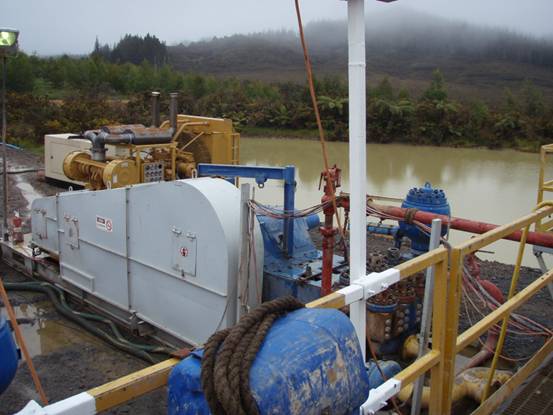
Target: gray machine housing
167 252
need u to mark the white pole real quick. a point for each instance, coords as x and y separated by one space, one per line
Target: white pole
357 157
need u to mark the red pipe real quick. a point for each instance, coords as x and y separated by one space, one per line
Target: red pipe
466 225
331 179
488 348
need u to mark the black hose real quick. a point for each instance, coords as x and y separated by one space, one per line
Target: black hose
22 171
229 355
71 315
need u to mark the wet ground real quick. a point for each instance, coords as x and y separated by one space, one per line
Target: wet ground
69 360
25 187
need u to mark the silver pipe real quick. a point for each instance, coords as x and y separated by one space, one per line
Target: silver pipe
426 317
173 110
139 136
98 149
136 134
4 151
155 109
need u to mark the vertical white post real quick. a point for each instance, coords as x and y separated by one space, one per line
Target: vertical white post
357 157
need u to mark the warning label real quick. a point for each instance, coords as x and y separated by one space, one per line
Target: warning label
104 224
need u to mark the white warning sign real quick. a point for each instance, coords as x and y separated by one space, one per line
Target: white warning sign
104 224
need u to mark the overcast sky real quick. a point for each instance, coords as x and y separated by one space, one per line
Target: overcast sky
70 26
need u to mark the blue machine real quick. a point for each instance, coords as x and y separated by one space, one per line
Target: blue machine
292 264
310 362
9 355
428 199
299 274
261 174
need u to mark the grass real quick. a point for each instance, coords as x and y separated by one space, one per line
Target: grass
279 133
29 145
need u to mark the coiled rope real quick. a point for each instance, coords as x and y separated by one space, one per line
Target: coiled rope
229 355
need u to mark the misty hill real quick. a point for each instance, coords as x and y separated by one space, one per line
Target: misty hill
477 62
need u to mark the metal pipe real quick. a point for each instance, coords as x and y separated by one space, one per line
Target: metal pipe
244 265
357 157
173 110
426 317
505 322
467 225
4 151
98 149
468 384
155 109
132 134
138 136
289 177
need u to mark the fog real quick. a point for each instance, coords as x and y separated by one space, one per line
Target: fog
69 26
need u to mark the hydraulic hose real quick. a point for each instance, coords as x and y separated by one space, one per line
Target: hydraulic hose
60 304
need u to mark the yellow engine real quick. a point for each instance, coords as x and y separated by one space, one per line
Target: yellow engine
149 154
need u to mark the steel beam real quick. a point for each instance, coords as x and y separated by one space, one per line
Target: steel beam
261 174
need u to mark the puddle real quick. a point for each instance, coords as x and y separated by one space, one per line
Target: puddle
27 190
44 335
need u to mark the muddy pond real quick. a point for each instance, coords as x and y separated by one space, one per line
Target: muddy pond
494 186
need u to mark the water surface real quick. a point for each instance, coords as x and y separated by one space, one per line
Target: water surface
494 186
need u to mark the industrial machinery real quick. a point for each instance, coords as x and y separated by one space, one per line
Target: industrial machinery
122 155
162 253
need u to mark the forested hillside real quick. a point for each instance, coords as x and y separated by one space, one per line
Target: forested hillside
479 63
430 82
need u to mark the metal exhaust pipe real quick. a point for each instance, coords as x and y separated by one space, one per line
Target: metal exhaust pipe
173 110
155 109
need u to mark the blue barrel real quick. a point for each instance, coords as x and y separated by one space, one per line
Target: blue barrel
428 199
309 363
9 356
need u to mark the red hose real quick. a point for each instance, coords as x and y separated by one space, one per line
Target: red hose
467 225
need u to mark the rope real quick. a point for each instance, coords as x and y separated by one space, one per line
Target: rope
309 72
410 215
229 355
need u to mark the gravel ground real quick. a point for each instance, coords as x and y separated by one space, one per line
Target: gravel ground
67 359
538 309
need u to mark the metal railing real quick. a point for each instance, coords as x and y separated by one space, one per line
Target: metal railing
446 342
433 360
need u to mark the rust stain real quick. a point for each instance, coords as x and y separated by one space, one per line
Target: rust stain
331 375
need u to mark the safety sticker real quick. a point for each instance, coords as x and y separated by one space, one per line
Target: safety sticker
104 224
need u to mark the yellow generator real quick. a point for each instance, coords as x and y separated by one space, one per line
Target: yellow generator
148 154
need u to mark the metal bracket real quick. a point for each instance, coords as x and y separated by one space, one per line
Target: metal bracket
352 293
71 231
378 397
377 282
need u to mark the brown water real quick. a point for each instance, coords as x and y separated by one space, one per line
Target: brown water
488 185
44 334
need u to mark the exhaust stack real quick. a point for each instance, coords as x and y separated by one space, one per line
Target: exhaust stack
155 109
173 110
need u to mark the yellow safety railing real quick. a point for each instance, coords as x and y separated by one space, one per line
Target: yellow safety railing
544 186
446 342
455 344
433 360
